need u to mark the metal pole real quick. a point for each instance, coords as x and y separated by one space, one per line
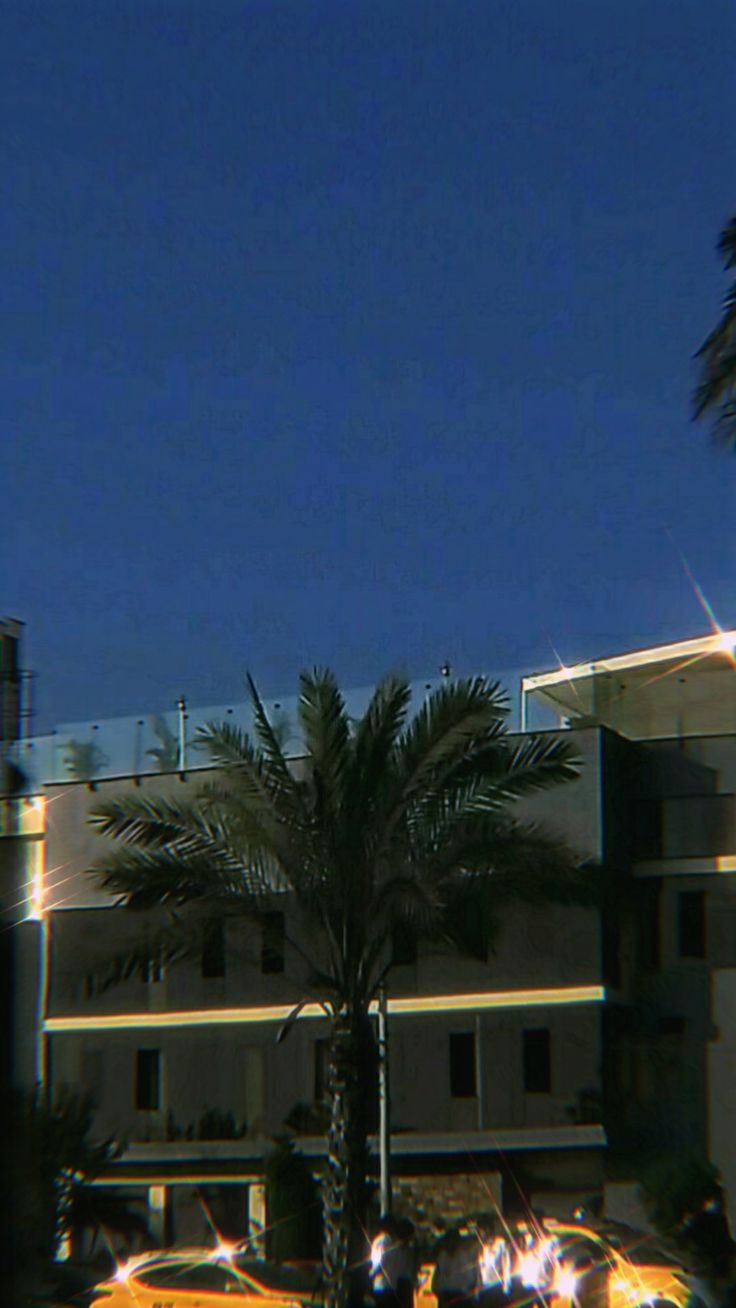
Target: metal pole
479 1070
384 1121
182 734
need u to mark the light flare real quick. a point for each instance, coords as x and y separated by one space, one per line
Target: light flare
725 641
566 1282
567 672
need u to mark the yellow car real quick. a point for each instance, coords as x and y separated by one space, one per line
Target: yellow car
613 1266
606 1266
203 1278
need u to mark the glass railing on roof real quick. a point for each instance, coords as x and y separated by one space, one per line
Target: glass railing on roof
145 745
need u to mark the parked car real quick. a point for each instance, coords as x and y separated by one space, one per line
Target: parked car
616 1266
605 1265
204 1278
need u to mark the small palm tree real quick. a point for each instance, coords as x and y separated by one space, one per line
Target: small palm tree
55 1198
716 390
384 821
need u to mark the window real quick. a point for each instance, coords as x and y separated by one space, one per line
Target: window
611 950
403 945
272 942
321 1070
648 925
203 1277
462 1065
213 951
93 1072
151 970
537 1062
691 924
148 1079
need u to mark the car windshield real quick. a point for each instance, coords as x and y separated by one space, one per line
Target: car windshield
648 1255
294 1280
637 1247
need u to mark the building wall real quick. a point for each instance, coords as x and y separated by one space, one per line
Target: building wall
722 1079
241 1070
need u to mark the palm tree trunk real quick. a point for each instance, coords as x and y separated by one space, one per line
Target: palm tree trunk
343 1194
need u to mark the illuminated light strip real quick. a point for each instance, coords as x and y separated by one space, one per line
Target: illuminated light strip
37 878
237 1178
720 643
279 1013
708 865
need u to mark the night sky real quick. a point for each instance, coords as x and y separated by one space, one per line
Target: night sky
358 333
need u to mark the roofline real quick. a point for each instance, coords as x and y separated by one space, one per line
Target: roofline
716 642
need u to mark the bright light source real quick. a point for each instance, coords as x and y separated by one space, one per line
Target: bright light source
378 1249
224 1250
726 641
566 1282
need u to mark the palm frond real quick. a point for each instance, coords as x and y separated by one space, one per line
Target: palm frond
326 729
150 821
454 719
147 878
716 389
268 737
450 718
160 944
517 861
230 747
532 764
727 244
376 736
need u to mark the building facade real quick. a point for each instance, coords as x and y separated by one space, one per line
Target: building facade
544 1068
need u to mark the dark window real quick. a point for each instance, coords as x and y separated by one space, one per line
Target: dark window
462 1065
213 951
691 924
403 945
673 1025
148 1079
537 1062
321 1068
648 925
272 942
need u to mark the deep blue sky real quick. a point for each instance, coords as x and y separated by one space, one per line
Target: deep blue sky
357 332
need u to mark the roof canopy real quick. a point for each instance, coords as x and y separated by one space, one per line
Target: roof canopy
683 689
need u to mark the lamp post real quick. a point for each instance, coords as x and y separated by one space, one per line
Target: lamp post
384 1106
182 707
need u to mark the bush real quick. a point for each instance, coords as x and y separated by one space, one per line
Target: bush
292 1204
684 1199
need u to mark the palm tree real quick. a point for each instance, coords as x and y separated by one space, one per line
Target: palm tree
54 1198
385 821
716 390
